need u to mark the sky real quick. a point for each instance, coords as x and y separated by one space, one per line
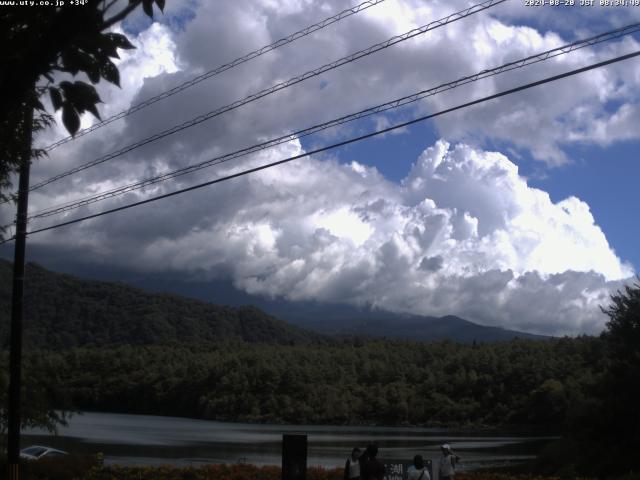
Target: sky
520 212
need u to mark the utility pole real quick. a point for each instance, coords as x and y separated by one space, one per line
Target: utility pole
17 300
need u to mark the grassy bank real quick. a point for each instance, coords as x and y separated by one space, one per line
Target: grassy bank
249 472
73 470
90 470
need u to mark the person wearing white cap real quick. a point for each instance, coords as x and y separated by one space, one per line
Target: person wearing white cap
447 466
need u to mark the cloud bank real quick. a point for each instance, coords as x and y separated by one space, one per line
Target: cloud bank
462 233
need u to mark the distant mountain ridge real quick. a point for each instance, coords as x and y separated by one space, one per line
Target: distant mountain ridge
64 311
414 327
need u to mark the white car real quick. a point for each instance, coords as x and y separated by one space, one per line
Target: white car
36 452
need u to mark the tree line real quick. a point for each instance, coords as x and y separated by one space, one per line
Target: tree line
346 382
159 357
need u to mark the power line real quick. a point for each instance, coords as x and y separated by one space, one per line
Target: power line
345 142
222 68
604 37
280 86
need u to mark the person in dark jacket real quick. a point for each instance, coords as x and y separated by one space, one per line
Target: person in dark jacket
352 466
372 468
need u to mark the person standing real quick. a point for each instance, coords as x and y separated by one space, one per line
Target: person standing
372 468
447 466
419 470
352 466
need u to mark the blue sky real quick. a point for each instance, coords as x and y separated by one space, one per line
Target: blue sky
605 177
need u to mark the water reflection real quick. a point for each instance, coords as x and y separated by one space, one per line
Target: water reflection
154 440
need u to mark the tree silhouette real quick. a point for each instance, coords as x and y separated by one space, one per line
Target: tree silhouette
619 413
41 46
603 426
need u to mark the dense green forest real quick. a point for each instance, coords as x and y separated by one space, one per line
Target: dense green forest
384 382
159 357
63 311
565 386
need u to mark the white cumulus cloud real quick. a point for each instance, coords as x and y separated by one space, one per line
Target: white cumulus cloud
463 233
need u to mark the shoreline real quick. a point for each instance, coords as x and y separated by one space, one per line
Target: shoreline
511 429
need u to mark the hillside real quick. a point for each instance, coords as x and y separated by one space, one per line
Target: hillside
62 311
281 373
411 327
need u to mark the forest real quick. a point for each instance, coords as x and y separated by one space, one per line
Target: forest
347 382
161 359
63 311
557 386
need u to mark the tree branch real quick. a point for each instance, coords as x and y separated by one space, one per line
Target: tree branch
107 7
120 16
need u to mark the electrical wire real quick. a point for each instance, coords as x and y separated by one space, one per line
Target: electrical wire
280 86
218 70
533 59
342 143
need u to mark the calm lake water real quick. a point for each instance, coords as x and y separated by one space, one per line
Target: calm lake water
154 440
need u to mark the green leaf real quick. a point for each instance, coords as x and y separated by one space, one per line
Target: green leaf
70 118
93 73
82 97
94 111
56 98
109 50
110 73
70 62
160 4
66 86
85 94
147 6
71 95
76 60
119 41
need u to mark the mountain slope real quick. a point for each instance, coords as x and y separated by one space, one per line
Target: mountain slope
62 311
408 327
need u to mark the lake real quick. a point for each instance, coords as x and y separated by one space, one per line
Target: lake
154 440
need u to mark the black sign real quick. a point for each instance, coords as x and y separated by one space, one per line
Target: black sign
294 457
